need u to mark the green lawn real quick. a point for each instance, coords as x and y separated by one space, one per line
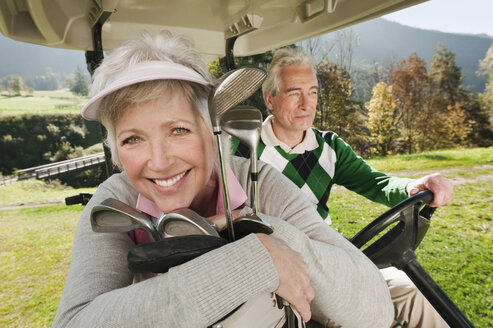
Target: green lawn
35 243
41 102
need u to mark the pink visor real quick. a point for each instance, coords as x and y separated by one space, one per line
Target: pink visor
141 72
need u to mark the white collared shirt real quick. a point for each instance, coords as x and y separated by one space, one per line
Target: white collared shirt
308 143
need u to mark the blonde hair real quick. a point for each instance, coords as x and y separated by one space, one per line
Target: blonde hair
162 47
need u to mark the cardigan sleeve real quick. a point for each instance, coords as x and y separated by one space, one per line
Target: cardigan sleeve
99 290
349 288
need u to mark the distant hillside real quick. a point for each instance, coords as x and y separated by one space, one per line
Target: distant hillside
382 41
26 59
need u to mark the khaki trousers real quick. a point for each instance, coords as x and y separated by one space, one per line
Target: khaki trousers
412 309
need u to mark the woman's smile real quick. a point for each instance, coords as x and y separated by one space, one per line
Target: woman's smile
166 183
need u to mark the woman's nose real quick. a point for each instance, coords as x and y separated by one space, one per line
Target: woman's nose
160 156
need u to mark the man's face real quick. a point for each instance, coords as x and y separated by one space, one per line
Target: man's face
295 102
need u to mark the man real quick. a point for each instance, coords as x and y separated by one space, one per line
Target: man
315 160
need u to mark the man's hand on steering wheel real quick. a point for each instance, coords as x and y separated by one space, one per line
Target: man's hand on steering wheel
441 187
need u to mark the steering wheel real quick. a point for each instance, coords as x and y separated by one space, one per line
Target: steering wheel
396 247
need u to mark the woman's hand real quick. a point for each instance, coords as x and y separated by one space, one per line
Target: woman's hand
294 282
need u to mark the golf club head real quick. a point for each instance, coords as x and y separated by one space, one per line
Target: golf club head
233 88
184 222
248 224
243 123
112 215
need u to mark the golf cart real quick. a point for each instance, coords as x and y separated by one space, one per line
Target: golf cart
226 29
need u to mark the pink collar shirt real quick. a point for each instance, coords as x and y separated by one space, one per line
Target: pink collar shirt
237 199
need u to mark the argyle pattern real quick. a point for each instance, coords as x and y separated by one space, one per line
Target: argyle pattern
311 171
315 172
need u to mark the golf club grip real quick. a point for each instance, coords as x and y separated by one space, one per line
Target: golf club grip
435 295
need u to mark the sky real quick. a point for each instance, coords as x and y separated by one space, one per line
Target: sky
454 16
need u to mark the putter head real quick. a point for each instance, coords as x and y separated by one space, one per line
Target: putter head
112 215
233 88
184 222
243 123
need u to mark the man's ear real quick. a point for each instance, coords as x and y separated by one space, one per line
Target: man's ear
268 100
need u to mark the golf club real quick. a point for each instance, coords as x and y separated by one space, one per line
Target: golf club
112 215
245 124
234 87
183 222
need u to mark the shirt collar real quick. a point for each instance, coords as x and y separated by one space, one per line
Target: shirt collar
308 143
236 193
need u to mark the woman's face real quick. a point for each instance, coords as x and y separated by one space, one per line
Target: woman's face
166 151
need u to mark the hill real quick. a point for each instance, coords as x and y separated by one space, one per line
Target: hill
26 59
383 41
380 41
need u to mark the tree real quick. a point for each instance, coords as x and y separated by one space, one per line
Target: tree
15 85
346 42
486 68
382 119
446 112
410 88
336 111
80 86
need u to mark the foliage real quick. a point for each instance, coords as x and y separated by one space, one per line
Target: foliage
382 119
43 138
15 85
80 86
336 111
410 84
49 81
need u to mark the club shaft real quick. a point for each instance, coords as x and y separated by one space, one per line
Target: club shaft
224 181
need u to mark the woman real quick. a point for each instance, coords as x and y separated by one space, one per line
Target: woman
151 95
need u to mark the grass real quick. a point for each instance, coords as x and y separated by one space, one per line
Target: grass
37 192
35 243
457 250
41 102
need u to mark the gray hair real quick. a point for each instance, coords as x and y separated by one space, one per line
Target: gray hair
162 47
282 58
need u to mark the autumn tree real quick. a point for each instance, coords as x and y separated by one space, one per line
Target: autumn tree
410 88
336 111
382 119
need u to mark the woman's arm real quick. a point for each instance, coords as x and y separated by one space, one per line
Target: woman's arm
349 288
99 290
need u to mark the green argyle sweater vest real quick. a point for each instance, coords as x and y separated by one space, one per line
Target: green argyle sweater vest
334 161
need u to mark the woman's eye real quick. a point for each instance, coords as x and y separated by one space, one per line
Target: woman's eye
180 131
130 140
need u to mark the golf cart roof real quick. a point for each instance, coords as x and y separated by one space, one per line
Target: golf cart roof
260 25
